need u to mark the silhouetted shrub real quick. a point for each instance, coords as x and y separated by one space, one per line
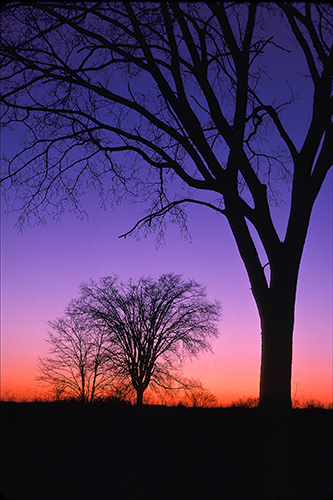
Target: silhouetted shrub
245 403
313 404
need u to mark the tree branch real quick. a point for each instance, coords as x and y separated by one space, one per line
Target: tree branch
166 209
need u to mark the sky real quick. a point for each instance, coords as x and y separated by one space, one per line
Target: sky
42 268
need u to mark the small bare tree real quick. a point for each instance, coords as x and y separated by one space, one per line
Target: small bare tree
200 397
78 365
151 326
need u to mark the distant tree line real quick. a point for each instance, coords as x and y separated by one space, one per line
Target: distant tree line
116 339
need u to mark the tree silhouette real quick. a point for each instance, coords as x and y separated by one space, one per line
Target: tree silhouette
151 326
200 397
78 364
128 97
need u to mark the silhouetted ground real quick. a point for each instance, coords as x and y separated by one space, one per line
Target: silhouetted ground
57 451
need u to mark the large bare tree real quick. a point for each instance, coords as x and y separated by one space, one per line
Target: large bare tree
129 96
152 325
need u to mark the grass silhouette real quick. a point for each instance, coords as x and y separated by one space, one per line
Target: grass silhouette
72 451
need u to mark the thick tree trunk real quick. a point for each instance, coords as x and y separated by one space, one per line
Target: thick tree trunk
277 326
139 396
276 362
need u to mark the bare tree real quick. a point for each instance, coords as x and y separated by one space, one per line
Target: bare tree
200 397
128 96
78 364
151 326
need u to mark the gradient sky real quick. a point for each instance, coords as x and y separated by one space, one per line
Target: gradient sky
42 268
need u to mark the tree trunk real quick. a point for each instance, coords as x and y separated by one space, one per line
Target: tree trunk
139 396
277 325
276 362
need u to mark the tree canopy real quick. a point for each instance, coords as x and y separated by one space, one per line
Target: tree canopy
177 86
151 325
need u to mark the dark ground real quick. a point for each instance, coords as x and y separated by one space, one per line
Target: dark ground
58 451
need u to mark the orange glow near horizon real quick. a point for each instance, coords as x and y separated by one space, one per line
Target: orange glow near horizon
20 384
18 390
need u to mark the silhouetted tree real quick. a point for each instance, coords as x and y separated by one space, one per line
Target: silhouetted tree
200 397
126 96
151 326
78 364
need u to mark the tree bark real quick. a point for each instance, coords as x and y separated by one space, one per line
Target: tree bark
277 315
139 396
276 358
